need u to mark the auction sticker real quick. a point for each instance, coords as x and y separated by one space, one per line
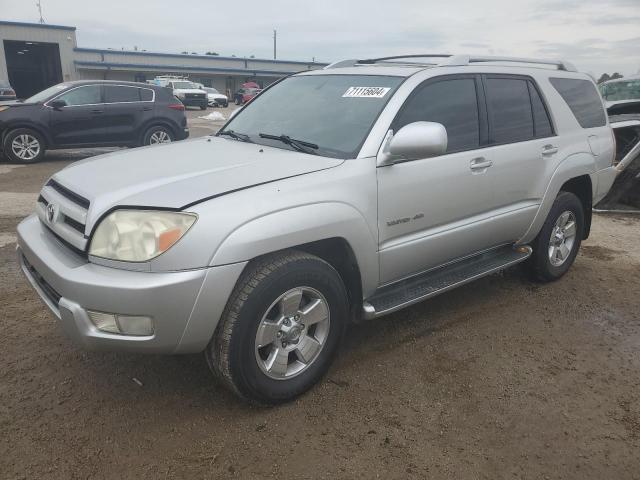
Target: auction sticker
366 92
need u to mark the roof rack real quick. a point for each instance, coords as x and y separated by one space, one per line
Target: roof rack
450 61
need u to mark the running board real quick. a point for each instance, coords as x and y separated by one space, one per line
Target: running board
396 296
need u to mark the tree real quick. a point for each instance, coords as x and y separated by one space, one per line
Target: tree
215 54
615 76
184 53
604 77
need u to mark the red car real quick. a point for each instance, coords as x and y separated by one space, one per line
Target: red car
246 93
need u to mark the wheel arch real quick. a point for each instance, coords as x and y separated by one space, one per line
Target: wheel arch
582 188
36 128
573 174
157 122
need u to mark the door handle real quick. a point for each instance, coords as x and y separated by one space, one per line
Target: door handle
549 150
97 110
480 163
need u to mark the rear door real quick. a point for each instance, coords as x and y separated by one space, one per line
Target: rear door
522 142
127 110
81 120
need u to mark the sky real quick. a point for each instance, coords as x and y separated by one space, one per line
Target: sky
597 36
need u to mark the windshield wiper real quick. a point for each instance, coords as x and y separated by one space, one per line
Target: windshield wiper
299 145
243 137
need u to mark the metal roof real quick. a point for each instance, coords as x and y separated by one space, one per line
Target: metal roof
179 68
36 25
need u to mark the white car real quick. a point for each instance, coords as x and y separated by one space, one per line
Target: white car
215 98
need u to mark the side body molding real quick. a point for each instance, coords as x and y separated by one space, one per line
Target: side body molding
573 166
304 224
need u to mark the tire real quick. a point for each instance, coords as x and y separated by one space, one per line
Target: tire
566 209
235 354
23 137
158 134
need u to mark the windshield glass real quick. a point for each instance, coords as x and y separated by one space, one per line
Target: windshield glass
45 94
615 91
185 85
335 112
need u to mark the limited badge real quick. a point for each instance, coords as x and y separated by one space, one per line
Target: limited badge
366 92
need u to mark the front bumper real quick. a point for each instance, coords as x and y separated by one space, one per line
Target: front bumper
185 305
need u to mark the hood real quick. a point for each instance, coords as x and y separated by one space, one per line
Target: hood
180 174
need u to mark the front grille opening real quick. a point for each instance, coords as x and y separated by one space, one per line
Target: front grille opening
65 192
48 290
74 224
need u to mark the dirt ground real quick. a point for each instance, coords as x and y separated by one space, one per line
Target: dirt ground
499 379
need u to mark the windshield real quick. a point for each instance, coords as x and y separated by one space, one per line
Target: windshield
614 91
335 112
185 85
45 94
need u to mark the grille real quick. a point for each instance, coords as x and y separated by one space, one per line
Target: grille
48 290
64 213
194 95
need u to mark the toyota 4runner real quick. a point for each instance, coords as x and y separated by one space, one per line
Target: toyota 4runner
387 181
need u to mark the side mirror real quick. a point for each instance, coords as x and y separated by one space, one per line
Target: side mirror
416 140
58 104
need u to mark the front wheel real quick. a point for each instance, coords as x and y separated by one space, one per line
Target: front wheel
23 145
556 246
281 327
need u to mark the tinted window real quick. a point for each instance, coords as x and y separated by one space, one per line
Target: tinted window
453 103
114 94
146 95
88 95
583 100
541 121
510 116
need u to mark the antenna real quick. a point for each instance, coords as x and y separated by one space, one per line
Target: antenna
39 5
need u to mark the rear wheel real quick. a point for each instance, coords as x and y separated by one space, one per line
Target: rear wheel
281 327
556 246
23 145
156 135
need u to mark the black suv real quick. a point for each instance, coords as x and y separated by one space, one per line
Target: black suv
90 114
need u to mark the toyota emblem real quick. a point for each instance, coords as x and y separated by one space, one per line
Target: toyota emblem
51 212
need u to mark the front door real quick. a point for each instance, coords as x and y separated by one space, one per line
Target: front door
434 210
81 120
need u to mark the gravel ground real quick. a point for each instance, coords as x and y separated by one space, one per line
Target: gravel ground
501 378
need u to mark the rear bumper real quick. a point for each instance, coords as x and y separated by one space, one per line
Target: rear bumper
185 305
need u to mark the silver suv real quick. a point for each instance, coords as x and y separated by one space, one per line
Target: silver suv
386 182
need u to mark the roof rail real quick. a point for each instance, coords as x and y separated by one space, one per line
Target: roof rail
451 60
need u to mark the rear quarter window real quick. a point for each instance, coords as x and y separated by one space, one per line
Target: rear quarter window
583 100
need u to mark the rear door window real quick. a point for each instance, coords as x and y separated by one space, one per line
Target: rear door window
541 121
509 108
583 100
451 102
146 94
120 94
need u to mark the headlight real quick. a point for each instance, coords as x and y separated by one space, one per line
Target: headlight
139 235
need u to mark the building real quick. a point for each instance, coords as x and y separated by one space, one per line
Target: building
35 56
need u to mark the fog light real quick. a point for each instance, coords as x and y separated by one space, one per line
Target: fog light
122 324
104 321
130 325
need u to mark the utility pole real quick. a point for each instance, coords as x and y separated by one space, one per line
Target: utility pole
275 42
39 5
